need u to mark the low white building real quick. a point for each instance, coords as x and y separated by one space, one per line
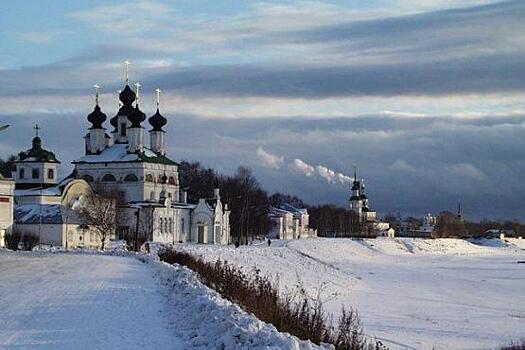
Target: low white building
290 222
7 187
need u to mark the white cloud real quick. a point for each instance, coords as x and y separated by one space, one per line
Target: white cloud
401 166
127 18
36 37
467 170
269 160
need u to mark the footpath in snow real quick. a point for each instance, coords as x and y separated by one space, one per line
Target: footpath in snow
80 301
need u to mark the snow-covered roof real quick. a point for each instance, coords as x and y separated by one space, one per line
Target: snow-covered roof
118 152
291 208
51 214
50 191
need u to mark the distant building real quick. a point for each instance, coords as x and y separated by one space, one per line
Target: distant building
290 222
359 203
6 208
425 230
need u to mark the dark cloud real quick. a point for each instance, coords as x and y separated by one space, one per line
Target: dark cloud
410 165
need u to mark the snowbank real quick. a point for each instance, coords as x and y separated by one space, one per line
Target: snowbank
205 320
410 293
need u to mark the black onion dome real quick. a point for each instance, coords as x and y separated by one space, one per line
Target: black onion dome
127 96
97 118
157 121
136 117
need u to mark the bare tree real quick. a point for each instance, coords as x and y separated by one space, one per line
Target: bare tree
99 211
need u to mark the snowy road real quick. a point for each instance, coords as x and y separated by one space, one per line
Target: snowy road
81 302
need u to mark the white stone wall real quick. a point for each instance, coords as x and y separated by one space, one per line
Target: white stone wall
6 208
43 172
147 188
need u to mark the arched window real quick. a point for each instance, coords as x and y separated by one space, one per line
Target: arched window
22 173
131 178
35 173
161 225
109 178
171 180
171 225
88 178
149 178
152 195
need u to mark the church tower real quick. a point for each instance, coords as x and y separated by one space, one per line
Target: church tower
355 201
157 134
121 122
96 139
135 130
36 167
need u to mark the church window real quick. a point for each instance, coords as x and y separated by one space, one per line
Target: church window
50 174
171 226
182 226
123 129
35 174
152 195
88 178
131 178
108 178
149 178
169 194
171 180
22 173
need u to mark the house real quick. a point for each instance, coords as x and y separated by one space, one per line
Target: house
290 222
7 187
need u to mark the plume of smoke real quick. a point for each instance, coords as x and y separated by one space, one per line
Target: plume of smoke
302 167
326 173
269 160
274 161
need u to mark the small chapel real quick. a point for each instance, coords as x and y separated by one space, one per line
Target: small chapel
120 161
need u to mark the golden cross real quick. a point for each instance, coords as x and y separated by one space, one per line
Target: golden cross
137 85
127 63
158 97
97 88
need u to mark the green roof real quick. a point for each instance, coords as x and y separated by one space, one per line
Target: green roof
37 153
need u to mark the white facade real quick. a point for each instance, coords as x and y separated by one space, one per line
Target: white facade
149 181
359 203
7 187
51 215
290 223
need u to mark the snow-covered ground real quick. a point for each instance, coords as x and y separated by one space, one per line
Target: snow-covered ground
88 301
410 293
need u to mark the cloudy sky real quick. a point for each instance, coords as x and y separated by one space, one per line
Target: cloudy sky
425 97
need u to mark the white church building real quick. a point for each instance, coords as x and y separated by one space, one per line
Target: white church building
143 176
147 179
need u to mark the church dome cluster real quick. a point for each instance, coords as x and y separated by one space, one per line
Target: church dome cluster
135 116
